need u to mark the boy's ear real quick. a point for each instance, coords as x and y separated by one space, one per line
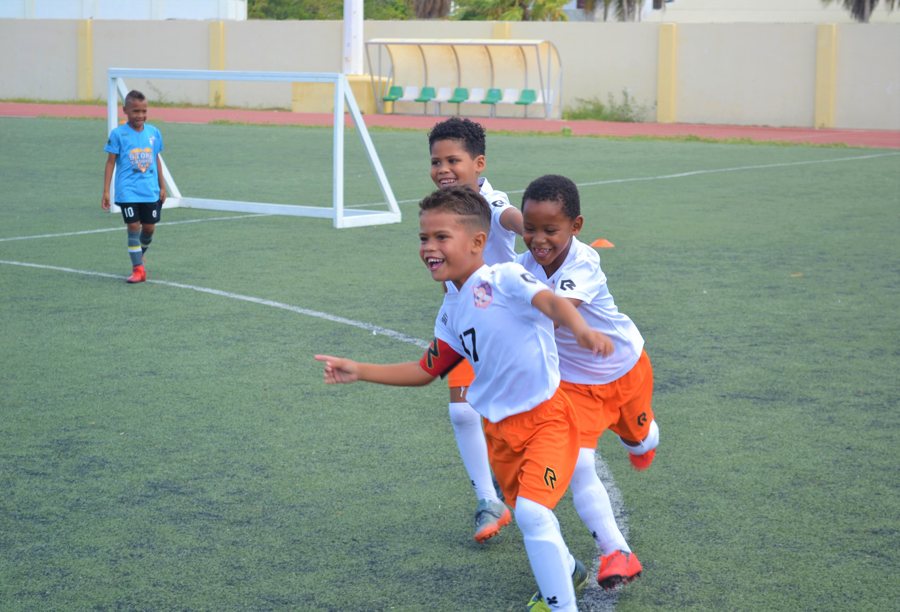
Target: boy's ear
576 225
480 163
479 239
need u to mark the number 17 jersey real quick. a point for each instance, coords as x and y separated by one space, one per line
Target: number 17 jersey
508 341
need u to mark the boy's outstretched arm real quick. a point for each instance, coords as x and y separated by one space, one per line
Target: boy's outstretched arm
339 370
562 312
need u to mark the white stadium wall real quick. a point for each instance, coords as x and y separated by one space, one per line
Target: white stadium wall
746 73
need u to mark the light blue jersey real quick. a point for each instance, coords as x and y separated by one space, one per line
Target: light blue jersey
137 175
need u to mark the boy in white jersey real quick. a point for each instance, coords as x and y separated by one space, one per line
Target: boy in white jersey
457 148
500 318
133 154
613 393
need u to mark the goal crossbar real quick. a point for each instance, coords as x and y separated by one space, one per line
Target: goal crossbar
343 101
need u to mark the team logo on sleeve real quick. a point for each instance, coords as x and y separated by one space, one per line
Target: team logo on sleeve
497 203
528 278
566 284
484 295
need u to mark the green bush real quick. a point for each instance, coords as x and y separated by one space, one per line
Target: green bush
627 110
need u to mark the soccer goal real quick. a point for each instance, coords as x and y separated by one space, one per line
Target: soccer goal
343 100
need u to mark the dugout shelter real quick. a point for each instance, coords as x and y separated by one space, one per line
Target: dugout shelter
507 77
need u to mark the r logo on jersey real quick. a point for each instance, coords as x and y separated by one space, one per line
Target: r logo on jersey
484 295
528 278
642 418
566 284
497 203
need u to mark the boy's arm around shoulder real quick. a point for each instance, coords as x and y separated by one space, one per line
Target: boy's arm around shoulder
512 220
562 312
408 374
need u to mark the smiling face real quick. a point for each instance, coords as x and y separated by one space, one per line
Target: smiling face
548 232
453 166
136 111
450 247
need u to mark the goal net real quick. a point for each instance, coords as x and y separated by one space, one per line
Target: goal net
341 215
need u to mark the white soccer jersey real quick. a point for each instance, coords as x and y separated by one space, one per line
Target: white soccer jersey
508 341
501 242
581 278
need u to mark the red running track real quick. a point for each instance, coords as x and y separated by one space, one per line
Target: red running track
883 139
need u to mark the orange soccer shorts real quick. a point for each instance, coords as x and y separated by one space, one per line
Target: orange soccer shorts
533 453
623 406
462 375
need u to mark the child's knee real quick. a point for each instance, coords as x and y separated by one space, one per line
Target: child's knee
647 444
463 415
533 518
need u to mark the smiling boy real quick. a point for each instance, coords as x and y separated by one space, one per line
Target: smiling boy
613 393
501 320
458 148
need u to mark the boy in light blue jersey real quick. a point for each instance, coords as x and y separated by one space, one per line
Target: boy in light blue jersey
133 153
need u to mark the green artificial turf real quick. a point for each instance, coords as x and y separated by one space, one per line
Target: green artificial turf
165 447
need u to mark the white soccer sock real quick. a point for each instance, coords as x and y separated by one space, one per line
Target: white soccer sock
473 449
551 562
593 506
648 443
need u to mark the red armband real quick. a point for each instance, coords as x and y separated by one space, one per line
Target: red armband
439 358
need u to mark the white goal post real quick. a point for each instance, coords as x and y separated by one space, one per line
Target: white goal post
343 100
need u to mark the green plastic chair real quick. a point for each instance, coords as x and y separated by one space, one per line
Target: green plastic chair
492 97
393 94
425 96
460 95
528 96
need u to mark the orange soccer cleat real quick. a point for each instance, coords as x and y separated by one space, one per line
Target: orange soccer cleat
490 518
138 275
642 462
618 568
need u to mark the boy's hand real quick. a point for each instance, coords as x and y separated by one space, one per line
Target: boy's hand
338 370
596 342
104 201
162 195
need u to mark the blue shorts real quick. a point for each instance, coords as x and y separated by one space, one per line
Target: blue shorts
148 213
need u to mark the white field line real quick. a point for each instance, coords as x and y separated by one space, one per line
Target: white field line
375 329
636 179
678 175
122 227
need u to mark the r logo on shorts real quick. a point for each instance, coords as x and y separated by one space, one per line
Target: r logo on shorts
550 477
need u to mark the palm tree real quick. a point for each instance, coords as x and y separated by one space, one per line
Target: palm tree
861 10
431 9
626 10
